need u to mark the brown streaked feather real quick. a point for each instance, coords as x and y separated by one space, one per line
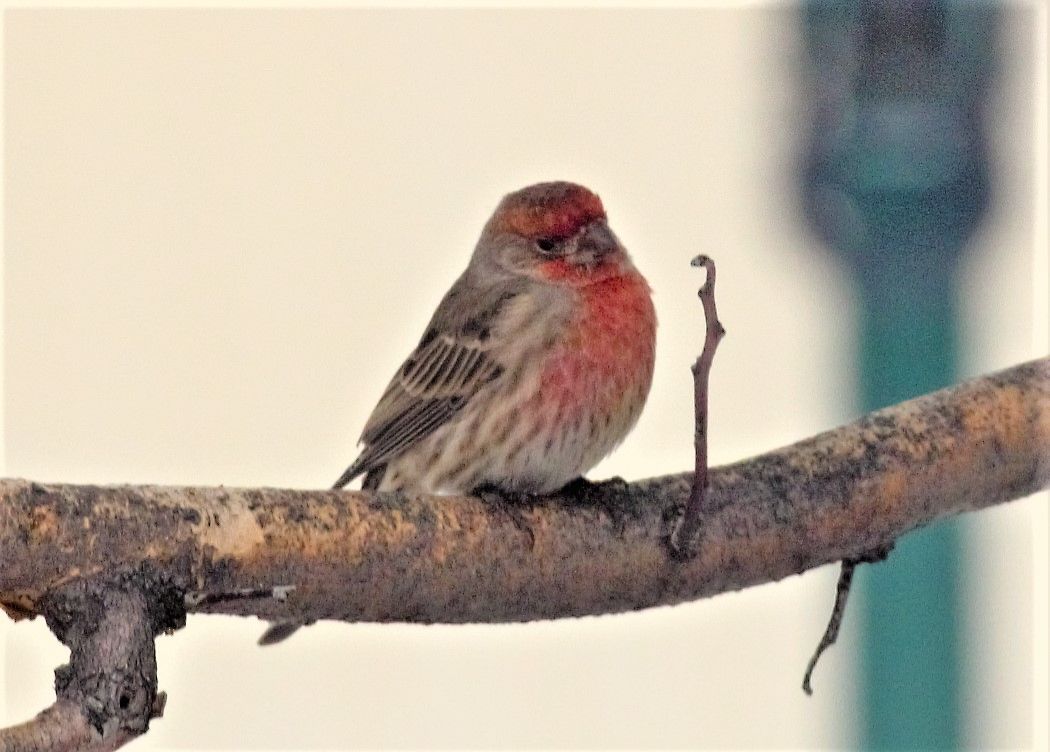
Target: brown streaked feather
450 364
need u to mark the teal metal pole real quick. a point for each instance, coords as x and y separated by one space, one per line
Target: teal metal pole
895 180
910 606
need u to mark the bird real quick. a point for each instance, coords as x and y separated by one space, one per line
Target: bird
535 365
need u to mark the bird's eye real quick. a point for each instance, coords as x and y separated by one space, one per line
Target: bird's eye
546 244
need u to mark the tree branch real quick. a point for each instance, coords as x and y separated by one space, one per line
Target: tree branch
362 557
307 555
107 694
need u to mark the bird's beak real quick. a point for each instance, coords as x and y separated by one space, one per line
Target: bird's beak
597 242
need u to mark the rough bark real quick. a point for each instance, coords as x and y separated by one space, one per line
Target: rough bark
363 557
136 558
107 694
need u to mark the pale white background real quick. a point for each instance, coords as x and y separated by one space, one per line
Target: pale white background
224 230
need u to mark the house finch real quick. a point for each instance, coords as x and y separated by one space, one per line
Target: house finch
535 365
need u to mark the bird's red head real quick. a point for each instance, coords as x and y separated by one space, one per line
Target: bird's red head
555 210
554 232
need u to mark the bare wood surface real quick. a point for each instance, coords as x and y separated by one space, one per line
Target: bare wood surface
362 557
62 727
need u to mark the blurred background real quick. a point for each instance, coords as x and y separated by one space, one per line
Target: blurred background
224 229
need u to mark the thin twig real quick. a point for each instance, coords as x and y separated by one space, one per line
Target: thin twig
842 591
837 612
197 599
684 537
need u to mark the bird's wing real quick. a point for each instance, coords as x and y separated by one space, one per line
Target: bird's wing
450 364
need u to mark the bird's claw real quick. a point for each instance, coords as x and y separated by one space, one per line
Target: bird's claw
607 494
594 491
511 506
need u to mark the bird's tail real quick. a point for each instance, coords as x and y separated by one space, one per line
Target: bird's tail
348 476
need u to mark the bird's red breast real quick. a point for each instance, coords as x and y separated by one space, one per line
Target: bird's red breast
608 350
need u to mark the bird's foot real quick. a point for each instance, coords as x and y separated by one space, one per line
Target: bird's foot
594 491
511 505
611 495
